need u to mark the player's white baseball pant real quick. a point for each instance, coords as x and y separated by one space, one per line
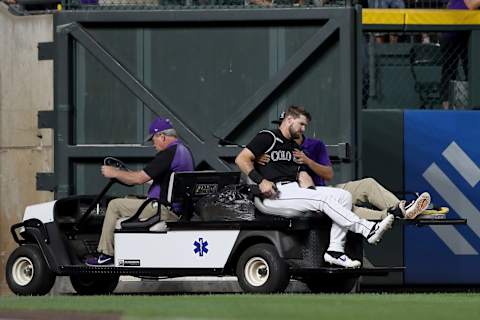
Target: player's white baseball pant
335 203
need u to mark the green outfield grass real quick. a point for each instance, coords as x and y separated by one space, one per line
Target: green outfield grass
265 307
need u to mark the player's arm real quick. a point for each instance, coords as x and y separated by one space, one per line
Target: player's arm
324 171
244 161
262 159
304 180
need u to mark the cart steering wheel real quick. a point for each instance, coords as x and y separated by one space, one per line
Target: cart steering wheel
109 161
114 162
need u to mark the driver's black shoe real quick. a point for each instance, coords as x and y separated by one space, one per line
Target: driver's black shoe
101 260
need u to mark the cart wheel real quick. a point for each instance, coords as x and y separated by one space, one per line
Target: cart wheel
90 285
261 270
27 272
333 284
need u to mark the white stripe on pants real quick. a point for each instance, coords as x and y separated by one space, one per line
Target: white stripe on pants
335 203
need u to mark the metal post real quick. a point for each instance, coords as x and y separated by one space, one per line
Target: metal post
474 72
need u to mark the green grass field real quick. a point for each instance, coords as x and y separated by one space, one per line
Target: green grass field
265 307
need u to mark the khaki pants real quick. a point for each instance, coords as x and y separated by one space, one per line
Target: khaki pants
370 191
120 208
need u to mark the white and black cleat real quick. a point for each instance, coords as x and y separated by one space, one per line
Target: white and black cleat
379 229
341 259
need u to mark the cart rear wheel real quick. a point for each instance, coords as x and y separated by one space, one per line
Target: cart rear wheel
27 272
260 269
90 285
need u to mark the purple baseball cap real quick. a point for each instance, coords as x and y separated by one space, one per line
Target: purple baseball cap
158 125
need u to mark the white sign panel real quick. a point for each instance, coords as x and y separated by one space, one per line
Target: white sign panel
175 249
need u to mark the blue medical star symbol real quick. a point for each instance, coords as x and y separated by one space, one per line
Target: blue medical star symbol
200 247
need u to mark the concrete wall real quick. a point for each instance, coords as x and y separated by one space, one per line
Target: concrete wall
26 86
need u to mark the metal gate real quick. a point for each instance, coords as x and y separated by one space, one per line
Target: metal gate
217 74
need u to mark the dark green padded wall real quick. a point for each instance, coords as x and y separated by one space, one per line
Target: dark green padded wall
382 158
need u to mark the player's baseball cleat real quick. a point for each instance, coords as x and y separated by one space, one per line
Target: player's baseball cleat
379 229
341 259
416 207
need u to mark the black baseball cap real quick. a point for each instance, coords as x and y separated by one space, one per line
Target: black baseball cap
280 118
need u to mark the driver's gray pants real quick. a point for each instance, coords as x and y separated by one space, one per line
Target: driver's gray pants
125 207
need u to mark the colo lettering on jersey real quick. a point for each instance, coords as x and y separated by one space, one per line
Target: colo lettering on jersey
280 155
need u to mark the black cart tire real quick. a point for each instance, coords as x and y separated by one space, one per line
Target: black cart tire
27 272
94 285
261 270
333 284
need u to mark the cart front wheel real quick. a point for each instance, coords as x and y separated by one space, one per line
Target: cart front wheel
28 272
261 270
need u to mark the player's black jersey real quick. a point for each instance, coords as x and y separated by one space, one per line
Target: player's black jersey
282 165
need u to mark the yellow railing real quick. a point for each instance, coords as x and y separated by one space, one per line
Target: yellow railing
420 17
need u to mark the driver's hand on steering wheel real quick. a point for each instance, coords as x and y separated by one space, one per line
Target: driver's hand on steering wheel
109 172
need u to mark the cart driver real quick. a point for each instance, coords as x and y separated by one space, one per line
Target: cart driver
172 156
278 181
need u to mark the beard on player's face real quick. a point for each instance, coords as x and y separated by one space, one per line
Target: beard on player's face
294 133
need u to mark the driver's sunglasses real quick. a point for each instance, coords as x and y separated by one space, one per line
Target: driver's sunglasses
159 134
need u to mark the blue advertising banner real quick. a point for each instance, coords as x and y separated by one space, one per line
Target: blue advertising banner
442 156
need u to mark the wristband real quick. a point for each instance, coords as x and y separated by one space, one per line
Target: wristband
255 176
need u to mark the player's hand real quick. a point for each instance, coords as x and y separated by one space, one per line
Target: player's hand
300 157
109 171
268 188
305 180
263 159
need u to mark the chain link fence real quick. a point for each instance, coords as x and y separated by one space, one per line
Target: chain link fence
415 70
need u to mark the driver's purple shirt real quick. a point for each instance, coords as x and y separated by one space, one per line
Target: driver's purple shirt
317 151
176 157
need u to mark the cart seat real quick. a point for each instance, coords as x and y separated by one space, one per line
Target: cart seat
118 224
154 224
283 212
136 222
